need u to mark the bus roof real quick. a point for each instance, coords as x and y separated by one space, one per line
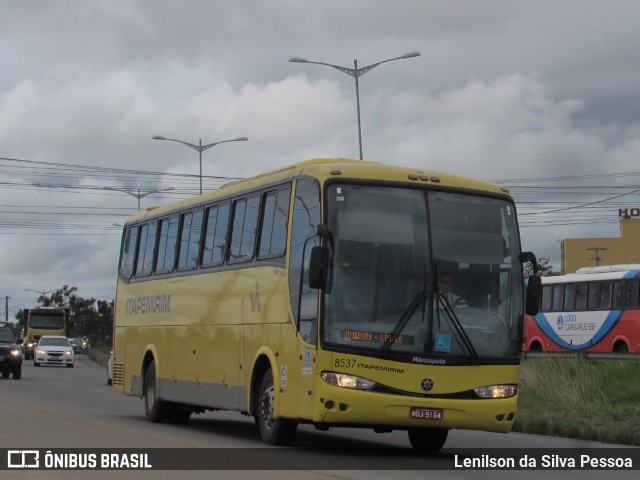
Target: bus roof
610 268
325 168
592 276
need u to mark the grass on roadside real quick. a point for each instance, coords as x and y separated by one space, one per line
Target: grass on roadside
580 399
100 354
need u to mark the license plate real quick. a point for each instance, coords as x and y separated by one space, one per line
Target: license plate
422 413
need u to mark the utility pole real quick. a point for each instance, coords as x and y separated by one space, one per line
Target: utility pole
597 258
6 309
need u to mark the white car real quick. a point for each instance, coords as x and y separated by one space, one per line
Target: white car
53 350
110 369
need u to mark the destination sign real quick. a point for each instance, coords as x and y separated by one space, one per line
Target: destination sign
377 337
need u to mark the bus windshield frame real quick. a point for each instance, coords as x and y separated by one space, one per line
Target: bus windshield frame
393 250
47 321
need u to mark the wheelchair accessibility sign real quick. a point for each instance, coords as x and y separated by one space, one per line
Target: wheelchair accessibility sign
443 343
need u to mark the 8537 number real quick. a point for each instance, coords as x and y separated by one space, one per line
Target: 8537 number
344 362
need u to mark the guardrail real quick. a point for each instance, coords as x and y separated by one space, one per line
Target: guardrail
589 356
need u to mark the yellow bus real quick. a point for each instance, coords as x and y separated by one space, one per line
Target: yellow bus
315 294
41 321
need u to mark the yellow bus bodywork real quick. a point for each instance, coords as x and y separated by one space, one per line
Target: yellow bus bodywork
208 332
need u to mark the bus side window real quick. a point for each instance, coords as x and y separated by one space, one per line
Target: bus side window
558 298
581 296
243 231
190 240
129 244
593 300
146 250
275 216
633 293
605 295
215 241
546 298
618 294
304 299
625 294
569 297
167 245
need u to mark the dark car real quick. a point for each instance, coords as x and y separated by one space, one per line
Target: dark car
80 345
10 353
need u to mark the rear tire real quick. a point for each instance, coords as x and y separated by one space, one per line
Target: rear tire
155 409
429 439
274 430
178 413
621 348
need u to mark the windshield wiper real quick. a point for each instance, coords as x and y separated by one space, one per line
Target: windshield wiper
455 321
402 322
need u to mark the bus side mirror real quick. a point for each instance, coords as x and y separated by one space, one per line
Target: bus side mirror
319 267
534 289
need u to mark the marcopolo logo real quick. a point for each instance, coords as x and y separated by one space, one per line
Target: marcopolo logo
23 459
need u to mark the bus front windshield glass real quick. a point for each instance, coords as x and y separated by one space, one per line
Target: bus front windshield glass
55 321
422 273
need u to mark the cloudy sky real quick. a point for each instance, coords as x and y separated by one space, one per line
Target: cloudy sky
542 96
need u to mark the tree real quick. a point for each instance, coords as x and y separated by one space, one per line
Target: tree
545 268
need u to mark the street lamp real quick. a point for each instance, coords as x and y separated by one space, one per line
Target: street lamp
41 292
137 195
200 148
356 72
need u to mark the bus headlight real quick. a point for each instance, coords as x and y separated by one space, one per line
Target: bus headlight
347 381
496 391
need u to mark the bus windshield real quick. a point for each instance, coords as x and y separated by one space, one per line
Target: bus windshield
46 321
422 274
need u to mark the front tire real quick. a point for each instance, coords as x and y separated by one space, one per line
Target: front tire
430 439
274 430
17 373
155 409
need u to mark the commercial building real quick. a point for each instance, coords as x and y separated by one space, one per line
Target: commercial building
592 252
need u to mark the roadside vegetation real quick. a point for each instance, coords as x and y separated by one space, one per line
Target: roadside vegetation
100 354
575 398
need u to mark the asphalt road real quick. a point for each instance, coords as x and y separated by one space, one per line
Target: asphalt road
57 407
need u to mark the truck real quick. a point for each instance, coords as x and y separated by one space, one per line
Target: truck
41 321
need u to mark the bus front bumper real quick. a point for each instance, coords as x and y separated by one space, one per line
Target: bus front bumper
342 407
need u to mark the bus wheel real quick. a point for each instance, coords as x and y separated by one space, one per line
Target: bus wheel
178 413
274 430
432 439
155 409
621 348
535 347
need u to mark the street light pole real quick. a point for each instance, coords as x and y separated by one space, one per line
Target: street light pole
356 73
200 148
137 195
41 292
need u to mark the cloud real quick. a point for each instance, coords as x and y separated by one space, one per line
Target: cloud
503 90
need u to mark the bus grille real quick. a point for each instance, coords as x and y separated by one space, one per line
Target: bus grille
118 374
